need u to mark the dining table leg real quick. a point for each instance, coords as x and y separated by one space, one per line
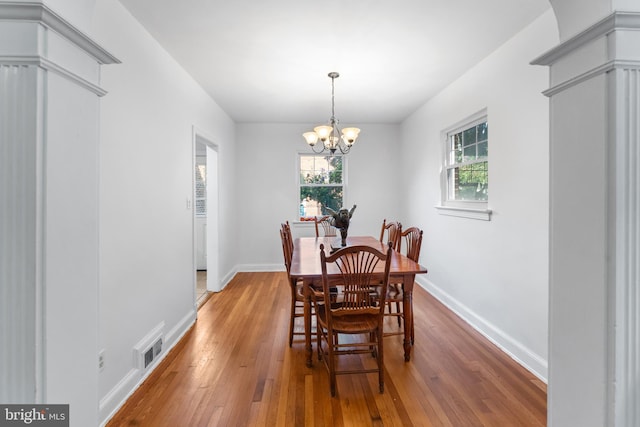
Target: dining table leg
307 322
407 308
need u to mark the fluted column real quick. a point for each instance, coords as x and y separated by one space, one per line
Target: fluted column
49 240
594 314
626 96
20 230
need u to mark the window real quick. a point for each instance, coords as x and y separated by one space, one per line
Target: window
467 165
465 172
201 186
321 183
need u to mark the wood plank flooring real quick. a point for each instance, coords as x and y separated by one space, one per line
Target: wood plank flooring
235 368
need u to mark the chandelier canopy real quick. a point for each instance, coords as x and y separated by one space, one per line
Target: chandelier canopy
330 135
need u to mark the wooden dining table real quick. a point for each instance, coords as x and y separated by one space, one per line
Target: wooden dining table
306 266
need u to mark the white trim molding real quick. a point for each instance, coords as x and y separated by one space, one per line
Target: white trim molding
40 13
615 22
482 214
48 65
49 42
604 40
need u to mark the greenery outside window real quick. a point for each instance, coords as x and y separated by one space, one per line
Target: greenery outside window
465 172
321 184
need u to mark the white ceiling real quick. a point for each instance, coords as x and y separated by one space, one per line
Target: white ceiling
268 60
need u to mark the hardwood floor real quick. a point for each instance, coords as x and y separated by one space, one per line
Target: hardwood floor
235 368
202 295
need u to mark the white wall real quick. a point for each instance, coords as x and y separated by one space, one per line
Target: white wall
268 189
146 179
495 273
72 247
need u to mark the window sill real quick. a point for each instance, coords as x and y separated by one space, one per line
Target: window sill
481 214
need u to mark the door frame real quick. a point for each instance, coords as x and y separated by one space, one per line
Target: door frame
212 231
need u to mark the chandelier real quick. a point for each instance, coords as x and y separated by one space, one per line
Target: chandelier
330 135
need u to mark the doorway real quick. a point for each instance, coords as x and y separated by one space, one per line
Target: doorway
205 230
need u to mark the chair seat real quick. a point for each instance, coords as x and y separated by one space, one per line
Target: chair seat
349 324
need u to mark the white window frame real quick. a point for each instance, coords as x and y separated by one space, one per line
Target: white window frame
474 209
298 183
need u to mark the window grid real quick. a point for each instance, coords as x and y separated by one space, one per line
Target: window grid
467 163
321 184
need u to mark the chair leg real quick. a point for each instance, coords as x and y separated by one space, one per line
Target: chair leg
398 308
410 323
380 360
332 364
412 331
292 320
319 334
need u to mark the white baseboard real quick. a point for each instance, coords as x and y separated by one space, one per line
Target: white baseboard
229 276
117 396
260 267
531 361
249 268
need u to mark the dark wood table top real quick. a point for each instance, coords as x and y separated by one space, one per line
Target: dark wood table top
305 263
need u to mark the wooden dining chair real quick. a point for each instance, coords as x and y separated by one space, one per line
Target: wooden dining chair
411 240
357 311
297 297
390 232
324 227
296 286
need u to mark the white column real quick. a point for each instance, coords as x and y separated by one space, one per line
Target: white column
625 81
20 231
594 340
49 105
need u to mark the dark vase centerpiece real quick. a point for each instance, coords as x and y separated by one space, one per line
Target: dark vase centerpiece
340 220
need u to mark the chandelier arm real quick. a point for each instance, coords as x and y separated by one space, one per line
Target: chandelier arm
341 144
344 150
313 148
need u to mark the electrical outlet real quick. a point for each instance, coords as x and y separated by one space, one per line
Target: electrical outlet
101 361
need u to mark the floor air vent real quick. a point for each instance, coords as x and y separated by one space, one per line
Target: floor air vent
153 352
149 348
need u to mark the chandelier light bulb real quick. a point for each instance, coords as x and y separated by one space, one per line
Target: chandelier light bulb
311 138
349 135
323 132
